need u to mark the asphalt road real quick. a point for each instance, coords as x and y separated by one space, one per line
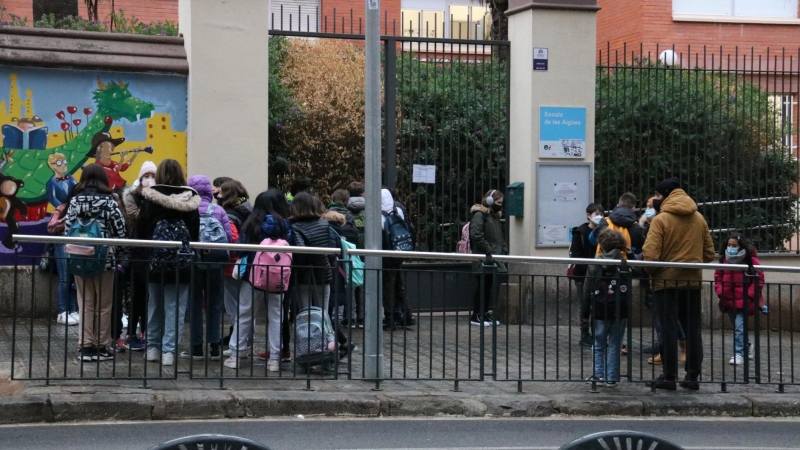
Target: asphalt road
439 434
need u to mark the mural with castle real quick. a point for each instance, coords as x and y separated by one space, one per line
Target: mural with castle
53 123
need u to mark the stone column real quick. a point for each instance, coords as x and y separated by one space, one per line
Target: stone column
227 46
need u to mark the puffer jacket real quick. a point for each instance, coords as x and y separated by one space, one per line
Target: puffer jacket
486 235
311 269
103 208
169 202
623 217
343 210
581 247
594 276
729 286
678 234
202 185
238 214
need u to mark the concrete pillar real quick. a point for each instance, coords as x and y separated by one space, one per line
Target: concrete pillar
567 29
227 47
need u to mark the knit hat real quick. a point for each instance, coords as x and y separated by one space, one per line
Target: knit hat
147 167
667 186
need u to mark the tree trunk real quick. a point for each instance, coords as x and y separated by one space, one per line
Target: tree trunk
91 9
499 30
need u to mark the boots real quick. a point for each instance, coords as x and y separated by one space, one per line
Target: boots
656 359
682 351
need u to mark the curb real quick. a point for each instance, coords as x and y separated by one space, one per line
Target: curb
210 404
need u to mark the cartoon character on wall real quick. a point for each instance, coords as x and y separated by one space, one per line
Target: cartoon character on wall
25 133
59 187
103 146
10 205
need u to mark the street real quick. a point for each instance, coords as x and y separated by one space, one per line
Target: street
429 434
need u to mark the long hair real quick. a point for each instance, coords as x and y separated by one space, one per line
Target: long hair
232 192
170 173
749 250
271 202
494 193
304 207
93 177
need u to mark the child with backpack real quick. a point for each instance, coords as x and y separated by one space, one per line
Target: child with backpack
266 225
582 248
609 295
397 236
169 212
93 213
486 237
730 288
214 228
233 197
356 206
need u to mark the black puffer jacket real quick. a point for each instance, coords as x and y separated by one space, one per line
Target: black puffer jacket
311 269
581 247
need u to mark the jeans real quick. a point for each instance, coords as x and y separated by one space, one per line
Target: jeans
207 286
67 296
166 300
607 344
737 319
680 309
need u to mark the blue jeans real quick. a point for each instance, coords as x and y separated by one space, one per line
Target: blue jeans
607 345
67 295
166 300
207 285
737 319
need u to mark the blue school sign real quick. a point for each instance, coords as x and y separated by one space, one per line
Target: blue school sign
562 132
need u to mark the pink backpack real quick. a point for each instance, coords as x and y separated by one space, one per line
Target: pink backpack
271 271
463 245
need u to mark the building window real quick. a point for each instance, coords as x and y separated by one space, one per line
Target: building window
59 8
784 9
455 19
786 105
295 15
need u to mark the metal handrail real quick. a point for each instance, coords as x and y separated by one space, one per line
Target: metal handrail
397 254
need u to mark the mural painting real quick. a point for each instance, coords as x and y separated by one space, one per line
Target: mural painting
56 121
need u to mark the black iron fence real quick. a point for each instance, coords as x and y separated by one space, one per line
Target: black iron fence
428 326
725 122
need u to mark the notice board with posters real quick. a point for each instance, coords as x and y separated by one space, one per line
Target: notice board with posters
563 190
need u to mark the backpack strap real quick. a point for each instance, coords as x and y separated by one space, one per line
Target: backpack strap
210 209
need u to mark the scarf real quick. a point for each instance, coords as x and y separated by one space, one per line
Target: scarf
737 259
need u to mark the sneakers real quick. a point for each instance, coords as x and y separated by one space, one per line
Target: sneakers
214 353
232 362
490 318
243 353
153 354
479 320
593 379
286 355
586 340
273 365
654 350
196 354
121 345
101 354
656 359
610 384
75 317
86 354
662 383
135 343
168 359
68 319
736 360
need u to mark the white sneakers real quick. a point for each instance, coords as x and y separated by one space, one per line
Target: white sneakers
168 359
736 360
153 354
68 319
274 365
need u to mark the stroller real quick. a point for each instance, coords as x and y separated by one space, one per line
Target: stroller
315 340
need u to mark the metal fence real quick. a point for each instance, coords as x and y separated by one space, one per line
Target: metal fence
726 122
427 333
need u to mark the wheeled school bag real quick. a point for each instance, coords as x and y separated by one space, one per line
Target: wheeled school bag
315 340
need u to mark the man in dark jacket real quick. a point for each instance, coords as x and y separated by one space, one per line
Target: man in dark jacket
624 217
581 247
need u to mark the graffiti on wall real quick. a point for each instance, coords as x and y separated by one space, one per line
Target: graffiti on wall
54 122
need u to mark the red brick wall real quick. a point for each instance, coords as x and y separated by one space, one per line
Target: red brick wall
390 13
145 10
22 8
619 22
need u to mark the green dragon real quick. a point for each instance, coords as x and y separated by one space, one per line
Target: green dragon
114 101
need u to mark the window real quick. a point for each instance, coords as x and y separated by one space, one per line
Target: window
456 19
421 23
59 8
294 15
786 105
783 9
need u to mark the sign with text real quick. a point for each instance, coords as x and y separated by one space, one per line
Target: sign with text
539 58
562 132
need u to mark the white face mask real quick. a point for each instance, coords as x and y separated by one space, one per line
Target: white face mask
597 219
650 213
148 182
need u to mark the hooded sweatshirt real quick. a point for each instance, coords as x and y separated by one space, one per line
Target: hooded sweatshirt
387 206
356 205
89 203
202 185
678 234
594 277
623 217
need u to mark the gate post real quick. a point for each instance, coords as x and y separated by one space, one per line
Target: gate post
563 76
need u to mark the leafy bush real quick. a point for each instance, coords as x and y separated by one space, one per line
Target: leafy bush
122 24
13 19
70 23
718 132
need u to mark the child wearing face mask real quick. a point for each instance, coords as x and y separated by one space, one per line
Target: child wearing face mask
734 294
581 247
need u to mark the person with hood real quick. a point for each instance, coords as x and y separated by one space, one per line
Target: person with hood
486 237
395 311
168 204
138 263
233 198
339 201
581 247
356 206
679 233
208 286
730 288
609 302
623 219
92 198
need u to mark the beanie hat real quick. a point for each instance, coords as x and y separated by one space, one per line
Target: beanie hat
667 186
147 167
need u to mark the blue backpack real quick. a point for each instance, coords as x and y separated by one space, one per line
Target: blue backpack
211 230
86 260
171 259
396 234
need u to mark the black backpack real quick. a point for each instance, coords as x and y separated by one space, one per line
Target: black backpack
610 293
396 233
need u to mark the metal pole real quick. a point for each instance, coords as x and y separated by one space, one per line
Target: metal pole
373 333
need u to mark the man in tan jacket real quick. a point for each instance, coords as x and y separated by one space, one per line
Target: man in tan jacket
678 234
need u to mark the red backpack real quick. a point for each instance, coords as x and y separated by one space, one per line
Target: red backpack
271 271
463 245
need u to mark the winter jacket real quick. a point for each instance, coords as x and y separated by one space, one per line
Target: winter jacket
133 203
238 214
311 233
356 206
623 217
169 202
348 216
595 281
729 286
91 204
486 234
581 247
202 186
678 234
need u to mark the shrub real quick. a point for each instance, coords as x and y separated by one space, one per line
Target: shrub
122 24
